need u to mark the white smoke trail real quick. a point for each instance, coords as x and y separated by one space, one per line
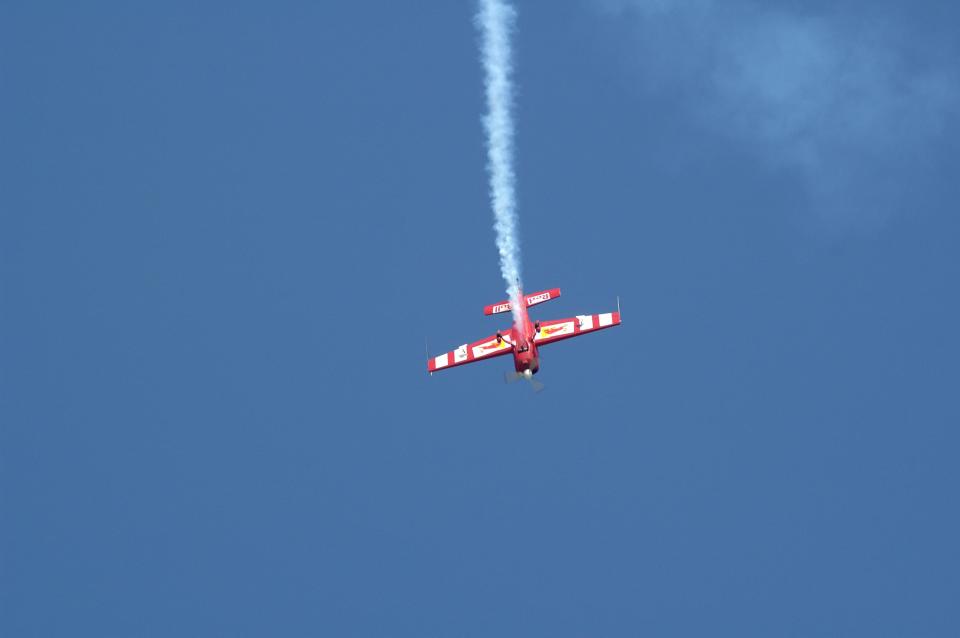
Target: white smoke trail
496 20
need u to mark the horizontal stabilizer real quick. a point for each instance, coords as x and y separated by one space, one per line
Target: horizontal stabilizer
532 300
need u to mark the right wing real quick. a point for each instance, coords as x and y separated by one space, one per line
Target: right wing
559 329
470 352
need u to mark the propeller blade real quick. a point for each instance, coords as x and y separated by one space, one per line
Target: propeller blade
513 377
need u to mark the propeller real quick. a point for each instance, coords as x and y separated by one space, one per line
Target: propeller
511 377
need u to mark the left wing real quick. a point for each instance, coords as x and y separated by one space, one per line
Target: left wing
470 352
560 329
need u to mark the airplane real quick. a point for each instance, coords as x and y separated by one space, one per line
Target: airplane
524 338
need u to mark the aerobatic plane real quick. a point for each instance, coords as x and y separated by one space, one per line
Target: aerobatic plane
522 340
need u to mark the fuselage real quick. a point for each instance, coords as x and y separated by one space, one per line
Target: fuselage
526 360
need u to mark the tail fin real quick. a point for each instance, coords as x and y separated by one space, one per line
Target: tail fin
532 300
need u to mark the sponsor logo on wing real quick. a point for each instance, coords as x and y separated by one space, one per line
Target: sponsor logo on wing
489 346
532 299
553 331
500 307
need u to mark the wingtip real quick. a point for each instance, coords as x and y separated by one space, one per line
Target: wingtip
426 353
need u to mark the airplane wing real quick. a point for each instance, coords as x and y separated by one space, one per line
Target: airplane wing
470 352
559 329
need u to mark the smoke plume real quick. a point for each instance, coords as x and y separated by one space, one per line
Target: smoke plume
496 21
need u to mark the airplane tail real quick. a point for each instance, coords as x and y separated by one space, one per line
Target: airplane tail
532 300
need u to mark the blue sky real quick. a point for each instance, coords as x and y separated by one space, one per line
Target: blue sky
225 231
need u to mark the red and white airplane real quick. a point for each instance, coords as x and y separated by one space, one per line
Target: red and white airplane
523 339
